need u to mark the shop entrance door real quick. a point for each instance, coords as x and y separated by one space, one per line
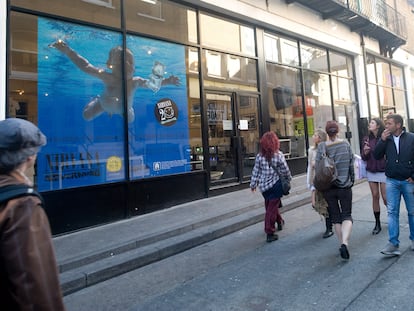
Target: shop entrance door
233 136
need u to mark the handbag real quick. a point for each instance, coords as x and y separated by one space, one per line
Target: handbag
285 185
325 171
283 180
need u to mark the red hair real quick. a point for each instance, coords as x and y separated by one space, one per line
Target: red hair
269 145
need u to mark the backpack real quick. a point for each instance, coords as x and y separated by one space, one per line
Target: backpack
14 191
325 171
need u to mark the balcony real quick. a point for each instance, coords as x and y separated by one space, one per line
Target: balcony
372 18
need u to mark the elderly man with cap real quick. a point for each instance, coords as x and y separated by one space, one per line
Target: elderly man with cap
28 271
339 196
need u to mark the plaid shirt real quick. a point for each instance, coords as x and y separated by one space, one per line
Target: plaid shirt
264 175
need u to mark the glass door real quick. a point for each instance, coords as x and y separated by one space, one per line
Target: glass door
233 135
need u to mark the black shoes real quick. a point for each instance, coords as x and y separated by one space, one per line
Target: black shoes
377 229
343 250
280 225
328 233
271 237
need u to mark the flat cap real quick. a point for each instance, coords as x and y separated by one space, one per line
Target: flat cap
17 134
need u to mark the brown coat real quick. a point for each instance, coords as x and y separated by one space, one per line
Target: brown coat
29 279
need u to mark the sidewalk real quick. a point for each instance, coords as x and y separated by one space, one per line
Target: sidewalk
240 271
93 255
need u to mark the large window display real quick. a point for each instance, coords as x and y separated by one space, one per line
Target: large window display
88 95
80 105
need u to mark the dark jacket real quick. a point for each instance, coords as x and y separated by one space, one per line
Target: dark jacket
397 166
28 271
373 165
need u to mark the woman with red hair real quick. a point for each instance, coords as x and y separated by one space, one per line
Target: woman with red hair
269 165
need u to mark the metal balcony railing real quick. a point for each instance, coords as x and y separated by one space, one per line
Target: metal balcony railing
380 13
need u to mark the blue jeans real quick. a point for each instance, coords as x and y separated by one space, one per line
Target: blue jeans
395 188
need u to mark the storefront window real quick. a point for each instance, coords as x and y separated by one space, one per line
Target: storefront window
227 36
163 19
74 93
103 12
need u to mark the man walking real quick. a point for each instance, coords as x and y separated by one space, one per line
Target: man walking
398 147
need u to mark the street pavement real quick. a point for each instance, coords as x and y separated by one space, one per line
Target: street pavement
240 271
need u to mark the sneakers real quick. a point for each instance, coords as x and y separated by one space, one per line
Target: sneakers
392 250
343 250
271 237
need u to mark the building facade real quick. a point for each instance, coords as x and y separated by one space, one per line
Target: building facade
151 103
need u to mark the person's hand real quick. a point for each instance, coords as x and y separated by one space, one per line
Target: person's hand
172 80
367 148
410 180
59 44
385 134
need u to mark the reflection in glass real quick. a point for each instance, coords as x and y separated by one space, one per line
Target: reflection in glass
225 35
289 51
383 72
314 58
340 64
164 19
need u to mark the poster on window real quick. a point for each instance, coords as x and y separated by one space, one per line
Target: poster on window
159 136
82 108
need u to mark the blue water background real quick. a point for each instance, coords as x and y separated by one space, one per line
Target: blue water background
64 90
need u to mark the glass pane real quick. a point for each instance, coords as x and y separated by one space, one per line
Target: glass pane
289 51
383 72
342 89
385 97
397 77
220 132
285 109
371 69
164 19
318 97
271 48
103 12
248 107
159 139
80 105
373 100
226 35
314 58
400 102
341 65
230 68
